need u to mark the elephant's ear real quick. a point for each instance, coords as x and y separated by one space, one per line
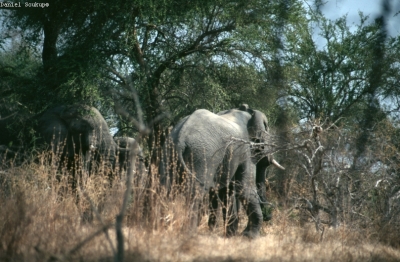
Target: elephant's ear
265 122
244 107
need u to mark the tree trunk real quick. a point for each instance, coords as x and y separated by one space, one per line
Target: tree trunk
49 53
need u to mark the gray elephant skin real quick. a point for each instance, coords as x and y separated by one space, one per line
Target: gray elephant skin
211 161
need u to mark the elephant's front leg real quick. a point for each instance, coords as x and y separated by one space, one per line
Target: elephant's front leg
261 169
196 194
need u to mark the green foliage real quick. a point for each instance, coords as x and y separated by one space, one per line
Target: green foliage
267 213
181 55
91 49
336 80
18 68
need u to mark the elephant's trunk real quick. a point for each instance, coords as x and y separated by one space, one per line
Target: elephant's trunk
275 163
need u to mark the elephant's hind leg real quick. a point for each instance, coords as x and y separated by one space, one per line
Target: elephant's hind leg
222 197
233 218
212 207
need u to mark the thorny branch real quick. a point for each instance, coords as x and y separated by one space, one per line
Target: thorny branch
143 130
313 156
274 148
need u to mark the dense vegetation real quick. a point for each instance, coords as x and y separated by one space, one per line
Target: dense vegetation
158 61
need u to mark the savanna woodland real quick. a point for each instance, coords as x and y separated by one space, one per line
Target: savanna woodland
330 91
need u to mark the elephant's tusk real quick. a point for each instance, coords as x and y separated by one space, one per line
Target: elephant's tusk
275 163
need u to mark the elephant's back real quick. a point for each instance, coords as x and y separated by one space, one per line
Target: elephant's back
231 124
205 133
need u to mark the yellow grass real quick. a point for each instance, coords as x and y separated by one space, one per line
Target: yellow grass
42 219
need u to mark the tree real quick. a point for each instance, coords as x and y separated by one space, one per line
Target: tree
336 80
92 44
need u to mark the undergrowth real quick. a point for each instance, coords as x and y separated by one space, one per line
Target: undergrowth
44 218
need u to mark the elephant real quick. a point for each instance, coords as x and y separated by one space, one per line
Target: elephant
82 130
257 128
70 133
76 130
210 160
79 127
125 144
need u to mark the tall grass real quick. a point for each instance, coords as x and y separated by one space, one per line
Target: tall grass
43 219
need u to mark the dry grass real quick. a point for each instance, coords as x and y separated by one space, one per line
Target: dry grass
42 219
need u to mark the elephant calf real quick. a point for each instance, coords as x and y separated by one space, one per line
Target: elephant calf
125 144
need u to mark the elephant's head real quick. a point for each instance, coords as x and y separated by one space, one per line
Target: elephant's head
97 138
82 134
258 133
